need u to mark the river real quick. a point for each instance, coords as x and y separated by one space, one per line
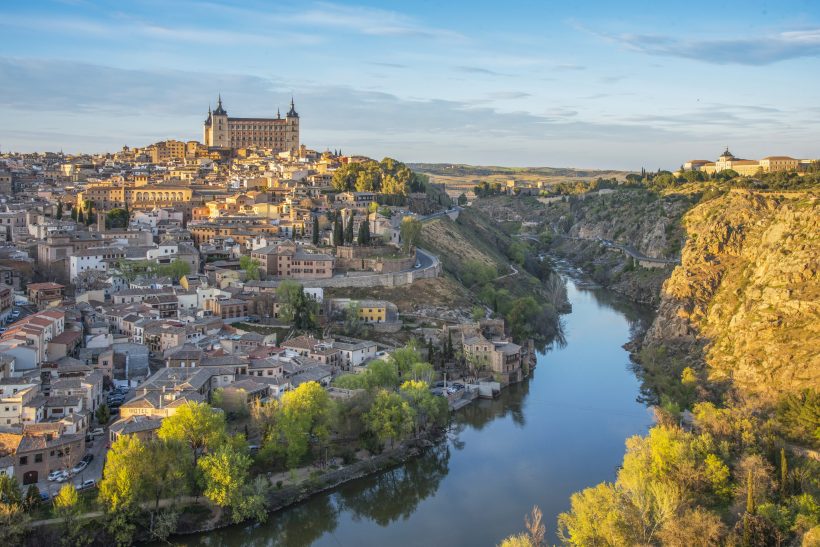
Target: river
539 442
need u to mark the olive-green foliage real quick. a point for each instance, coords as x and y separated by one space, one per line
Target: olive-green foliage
298 308
798 414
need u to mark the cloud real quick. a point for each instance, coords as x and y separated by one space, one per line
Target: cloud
569 66
509 95
105 108
477 70
389 65
754 51
121 27
357 19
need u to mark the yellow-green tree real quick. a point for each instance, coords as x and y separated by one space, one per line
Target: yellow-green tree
225 471
13 520
305 417
391 418
197 425
427 408
67 506
120 485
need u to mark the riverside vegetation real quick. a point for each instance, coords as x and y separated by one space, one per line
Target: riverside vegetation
733 364
152 488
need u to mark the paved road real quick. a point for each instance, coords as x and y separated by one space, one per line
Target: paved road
628 249
456 208
424 259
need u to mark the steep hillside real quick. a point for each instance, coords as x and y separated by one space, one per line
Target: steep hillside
573 227
747 293
502 272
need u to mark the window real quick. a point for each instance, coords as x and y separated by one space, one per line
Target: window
23 460
38 458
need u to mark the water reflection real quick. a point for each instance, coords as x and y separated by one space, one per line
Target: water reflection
397 493
537 443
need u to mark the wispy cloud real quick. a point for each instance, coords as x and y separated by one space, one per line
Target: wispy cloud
477 70
758 50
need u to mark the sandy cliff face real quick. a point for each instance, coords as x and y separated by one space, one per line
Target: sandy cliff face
748 288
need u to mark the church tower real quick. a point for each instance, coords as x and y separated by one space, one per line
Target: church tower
292 133
216 131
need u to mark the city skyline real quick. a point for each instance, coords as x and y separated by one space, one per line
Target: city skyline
596 86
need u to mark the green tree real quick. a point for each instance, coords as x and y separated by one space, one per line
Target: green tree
391 418
409 232
117 218
81 217
784 473
66 505
120 487
338 235
305 417
197 425
363 237
32 497
353 323
298 308
422 372
315 231
250 266
428 409
59 213
348 232
176 270
382 373
750 493
225 471
103 414
13 520
167 474
74 214
405 357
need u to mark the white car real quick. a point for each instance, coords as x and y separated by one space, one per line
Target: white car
97 432
88 483
64 476
79 467
56 474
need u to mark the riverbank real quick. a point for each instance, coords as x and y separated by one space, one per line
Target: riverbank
542 439
199 515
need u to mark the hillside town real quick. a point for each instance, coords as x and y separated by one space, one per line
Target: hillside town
136 282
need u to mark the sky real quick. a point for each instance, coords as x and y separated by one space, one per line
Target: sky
619 85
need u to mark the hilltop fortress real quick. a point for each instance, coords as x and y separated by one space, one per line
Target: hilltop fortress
279 134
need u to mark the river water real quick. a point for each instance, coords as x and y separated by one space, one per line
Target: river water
539 442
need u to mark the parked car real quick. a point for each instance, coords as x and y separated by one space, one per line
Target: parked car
96 432
87 483
54 475
44 496
87 458
79 467
64 476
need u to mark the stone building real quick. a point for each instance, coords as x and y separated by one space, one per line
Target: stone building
279 134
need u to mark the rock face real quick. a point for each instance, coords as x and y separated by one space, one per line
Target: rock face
747 291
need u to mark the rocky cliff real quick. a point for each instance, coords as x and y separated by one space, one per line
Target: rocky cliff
746 296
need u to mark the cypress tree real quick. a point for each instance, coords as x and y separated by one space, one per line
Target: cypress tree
750 494
59 210
74 214
337 231
315 237
349 230
81 217
784 473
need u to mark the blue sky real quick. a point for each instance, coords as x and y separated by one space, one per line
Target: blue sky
560 83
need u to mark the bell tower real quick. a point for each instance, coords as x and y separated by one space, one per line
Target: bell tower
216 127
